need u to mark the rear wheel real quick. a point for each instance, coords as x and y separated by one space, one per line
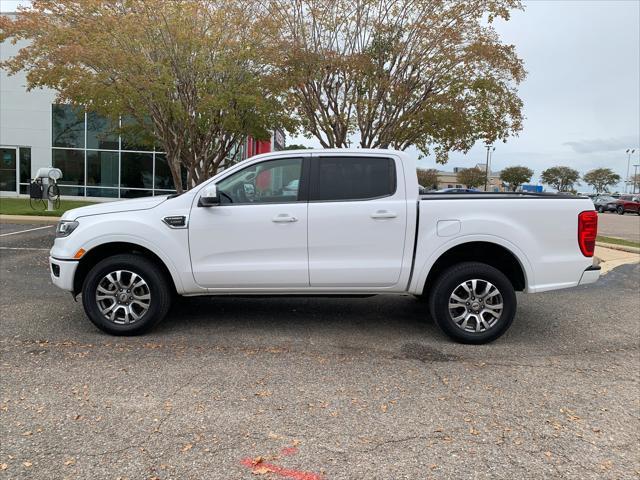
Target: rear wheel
125 295
601 209
473 302
620 210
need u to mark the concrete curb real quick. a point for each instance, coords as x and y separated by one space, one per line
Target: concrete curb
622 248
33 219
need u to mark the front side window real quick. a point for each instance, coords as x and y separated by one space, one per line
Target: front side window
273 181
352 178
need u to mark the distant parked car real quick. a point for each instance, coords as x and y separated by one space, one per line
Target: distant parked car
604 203
628 203
457 190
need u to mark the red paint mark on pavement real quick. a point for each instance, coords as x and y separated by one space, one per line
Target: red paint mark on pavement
263 467
288 451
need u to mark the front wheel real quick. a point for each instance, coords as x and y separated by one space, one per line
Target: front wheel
125 295
620 210
473 302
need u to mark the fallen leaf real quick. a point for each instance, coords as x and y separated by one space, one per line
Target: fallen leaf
26 434
71 461
3 466
263 393
261 470
383 407
186 448
473 431
27 464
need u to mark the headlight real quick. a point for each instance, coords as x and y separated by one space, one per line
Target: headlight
65 227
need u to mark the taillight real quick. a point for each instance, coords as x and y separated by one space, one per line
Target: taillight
587 232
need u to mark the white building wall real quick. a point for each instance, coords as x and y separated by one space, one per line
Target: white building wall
25 117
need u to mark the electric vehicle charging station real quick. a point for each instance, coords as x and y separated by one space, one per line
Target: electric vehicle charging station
45 187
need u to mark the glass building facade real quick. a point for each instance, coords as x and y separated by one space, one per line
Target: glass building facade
97 162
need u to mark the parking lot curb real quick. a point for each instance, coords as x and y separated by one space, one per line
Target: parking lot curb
622 248
30 219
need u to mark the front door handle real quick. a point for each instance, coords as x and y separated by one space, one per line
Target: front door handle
284 218
383 214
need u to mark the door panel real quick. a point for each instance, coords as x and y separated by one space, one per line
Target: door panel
360 242
249 246
257 236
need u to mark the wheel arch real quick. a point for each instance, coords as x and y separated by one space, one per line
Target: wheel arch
108 249
490 252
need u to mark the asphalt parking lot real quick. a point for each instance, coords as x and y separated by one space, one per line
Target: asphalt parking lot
317 388
625 226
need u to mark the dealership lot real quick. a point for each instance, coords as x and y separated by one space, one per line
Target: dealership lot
621 226
317 388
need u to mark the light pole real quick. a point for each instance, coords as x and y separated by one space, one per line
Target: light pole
489 148
629 152
635 176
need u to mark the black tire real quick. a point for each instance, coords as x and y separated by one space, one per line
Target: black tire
620 210
600 209
156 282
451 279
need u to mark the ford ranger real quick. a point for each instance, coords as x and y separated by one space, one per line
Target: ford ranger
325 222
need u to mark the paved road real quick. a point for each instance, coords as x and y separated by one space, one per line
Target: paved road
625 226
319 388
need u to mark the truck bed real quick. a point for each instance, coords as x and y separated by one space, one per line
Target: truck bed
541 234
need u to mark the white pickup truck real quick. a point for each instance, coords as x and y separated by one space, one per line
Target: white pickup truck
325 222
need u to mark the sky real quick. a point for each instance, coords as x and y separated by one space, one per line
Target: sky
582 92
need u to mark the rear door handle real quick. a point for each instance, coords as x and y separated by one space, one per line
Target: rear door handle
383 214
284 218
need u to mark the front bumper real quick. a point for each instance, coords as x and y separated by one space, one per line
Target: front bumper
590 275
62 272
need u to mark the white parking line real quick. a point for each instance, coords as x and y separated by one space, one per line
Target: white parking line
25 231
25 248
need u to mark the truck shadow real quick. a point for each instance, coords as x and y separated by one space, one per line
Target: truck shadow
294 313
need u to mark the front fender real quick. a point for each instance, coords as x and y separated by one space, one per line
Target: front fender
169 245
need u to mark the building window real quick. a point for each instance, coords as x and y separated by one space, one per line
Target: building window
67 126
71 162
101 133
162 178
136 170
25 169
101 159
102 169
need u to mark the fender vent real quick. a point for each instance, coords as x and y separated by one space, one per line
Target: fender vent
177 221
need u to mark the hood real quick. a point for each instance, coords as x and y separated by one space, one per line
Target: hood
144 203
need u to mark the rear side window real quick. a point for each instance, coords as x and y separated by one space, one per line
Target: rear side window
352 178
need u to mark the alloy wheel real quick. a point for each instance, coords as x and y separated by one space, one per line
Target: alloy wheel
123 297
475 305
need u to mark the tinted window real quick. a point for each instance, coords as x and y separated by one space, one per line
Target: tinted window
101 133
25 164
353 178
71 162
274 181
136 171
102 169
67 126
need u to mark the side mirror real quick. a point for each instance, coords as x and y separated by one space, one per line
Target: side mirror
209 197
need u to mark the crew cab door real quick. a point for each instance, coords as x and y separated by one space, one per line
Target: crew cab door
257 236
357 220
